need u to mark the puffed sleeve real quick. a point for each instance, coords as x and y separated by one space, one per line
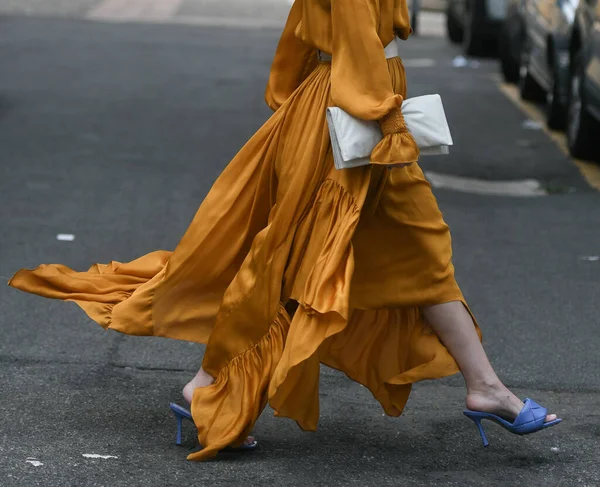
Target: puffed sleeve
294 60
360 81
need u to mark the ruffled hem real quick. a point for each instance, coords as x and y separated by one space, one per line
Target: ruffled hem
320 265
396 148
388 350
283 366
384 350
322 288
118 296
225 412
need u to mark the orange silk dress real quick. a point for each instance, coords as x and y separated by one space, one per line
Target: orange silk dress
360 250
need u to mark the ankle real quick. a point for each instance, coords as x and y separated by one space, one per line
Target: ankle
201 379
485 386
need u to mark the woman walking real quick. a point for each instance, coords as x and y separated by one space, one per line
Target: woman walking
289 263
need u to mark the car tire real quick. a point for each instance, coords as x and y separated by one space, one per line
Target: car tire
453 27
508 65
529 88
555 111
581 126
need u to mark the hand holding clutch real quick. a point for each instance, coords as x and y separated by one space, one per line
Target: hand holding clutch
420 128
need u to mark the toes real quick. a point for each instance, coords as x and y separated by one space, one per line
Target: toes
550 417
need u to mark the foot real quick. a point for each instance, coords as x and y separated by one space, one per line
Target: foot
497 399
202 379
250 441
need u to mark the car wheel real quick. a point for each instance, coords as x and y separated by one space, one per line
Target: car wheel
453 27
529 89
581 126
508 65
555 111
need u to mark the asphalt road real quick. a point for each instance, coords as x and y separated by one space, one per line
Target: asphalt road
114 133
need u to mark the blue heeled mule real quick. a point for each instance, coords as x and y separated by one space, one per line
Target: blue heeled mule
182 413
531 419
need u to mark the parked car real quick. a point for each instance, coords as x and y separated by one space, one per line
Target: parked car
534 52
583 110
475 23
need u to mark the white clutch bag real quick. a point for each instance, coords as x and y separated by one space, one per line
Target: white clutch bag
353 139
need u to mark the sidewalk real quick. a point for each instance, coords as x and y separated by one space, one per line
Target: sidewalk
247 14
274 10
229 13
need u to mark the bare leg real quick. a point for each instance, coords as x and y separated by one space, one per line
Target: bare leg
485 392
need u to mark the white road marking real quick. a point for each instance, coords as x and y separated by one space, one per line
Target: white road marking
462 62
591 258
141 10
121 11
165 11
419 63
95 455
34 462
530 124
65 237
523 188
232 22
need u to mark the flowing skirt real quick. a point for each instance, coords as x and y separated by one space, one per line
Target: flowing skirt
359 251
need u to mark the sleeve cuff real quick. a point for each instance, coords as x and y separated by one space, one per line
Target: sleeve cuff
397 146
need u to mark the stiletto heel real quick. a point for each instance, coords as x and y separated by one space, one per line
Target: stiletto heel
183 413
180 414
477 422
531 419
178 439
